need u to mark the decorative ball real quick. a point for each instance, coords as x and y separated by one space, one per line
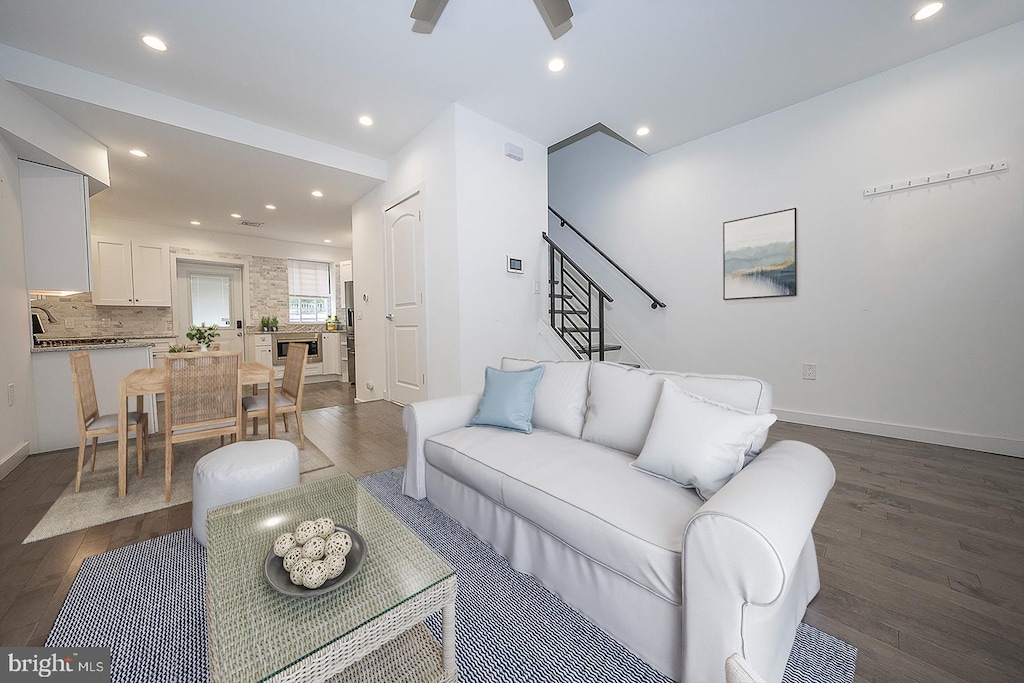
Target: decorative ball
315 575
302 565
283 544
306 531
291 557
313 548
338 542
296 578
325 527
335 564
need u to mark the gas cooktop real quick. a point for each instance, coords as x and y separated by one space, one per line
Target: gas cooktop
80 341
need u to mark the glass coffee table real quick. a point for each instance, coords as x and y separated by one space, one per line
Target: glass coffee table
370 629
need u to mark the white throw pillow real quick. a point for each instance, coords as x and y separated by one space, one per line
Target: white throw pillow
697 443
560 402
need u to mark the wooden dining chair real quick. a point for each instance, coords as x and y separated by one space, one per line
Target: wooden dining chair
203 398
93 425
288 399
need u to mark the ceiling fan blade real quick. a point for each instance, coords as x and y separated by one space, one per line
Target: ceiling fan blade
426 13
557 15
558 11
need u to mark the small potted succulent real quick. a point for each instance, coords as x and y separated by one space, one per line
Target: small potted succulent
273 323
202 335
265 323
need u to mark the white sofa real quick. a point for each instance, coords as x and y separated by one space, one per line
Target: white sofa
682 582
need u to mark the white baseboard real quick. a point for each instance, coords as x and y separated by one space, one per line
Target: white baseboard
13 459
974 442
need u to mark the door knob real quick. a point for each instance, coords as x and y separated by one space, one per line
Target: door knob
390 316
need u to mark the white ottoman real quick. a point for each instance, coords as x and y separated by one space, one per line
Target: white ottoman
240 470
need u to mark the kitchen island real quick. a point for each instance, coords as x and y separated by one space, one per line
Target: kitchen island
56 409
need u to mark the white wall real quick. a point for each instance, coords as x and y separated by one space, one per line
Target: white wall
502 210
17 422
478 206
910 303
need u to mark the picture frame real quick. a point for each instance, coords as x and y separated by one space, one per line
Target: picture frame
759 256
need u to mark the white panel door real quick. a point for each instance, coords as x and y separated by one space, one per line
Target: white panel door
407 339
212 294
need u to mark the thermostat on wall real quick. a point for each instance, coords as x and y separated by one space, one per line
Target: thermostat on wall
514 265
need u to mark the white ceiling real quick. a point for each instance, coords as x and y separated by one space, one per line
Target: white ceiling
685 68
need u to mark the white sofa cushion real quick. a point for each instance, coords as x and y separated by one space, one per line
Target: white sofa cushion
698 443
579 492
622 402
560 403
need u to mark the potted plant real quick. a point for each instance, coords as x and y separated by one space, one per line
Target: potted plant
202 335
176 348
273 323
265 323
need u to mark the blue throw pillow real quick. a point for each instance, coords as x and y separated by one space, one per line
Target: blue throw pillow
508 399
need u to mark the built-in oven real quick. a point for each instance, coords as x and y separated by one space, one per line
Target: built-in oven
312 340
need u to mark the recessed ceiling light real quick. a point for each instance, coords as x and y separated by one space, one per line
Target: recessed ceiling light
642 131
155 43
929 10
556 64
365 120
317 193
137 153
195 222
236 215
270 206
327 241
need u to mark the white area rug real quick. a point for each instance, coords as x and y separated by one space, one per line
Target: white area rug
97 502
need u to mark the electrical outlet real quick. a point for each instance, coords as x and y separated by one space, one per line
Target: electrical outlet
10 394
810 371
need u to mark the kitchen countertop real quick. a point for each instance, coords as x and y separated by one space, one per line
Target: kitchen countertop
90 347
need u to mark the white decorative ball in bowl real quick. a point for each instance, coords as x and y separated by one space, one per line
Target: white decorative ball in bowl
335 564
283 544
306 531
314 548
315 575
324 527
291 557
338 542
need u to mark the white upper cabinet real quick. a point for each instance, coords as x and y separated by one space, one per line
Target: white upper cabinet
346 270
55 218
130 273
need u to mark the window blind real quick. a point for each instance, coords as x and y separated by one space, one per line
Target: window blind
309 278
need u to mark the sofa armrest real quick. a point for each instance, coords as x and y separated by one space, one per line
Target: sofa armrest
425 419
743 546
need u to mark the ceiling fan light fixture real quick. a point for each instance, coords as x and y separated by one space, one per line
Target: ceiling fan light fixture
155 43
556 65
929 10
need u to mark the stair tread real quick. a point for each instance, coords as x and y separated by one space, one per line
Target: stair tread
595 349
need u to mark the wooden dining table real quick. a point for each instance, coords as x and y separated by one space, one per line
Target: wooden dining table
151 381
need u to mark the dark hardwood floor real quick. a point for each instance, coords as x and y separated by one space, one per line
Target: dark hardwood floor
920 547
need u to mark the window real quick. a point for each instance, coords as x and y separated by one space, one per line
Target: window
211 299
309 291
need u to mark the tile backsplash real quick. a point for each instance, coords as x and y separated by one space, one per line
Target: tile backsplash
77 316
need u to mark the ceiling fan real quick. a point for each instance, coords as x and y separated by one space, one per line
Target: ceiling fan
557 15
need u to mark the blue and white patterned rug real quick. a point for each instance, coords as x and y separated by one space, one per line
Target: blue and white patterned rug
510 628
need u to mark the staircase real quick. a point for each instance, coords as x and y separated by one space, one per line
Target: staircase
576 302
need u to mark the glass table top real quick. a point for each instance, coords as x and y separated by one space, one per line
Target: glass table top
256 632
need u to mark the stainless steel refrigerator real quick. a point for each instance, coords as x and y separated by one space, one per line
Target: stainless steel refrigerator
350 331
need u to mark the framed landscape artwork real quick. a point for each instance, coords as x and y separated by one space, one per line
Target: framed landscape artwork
760 256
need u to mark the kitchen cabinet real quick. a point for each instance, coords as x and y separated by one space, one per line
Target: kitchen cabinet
346 270
332 353
130 273
55 220
263 349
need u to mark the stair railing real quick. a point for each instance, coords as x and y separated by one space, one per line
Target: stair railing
573 298
656 303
